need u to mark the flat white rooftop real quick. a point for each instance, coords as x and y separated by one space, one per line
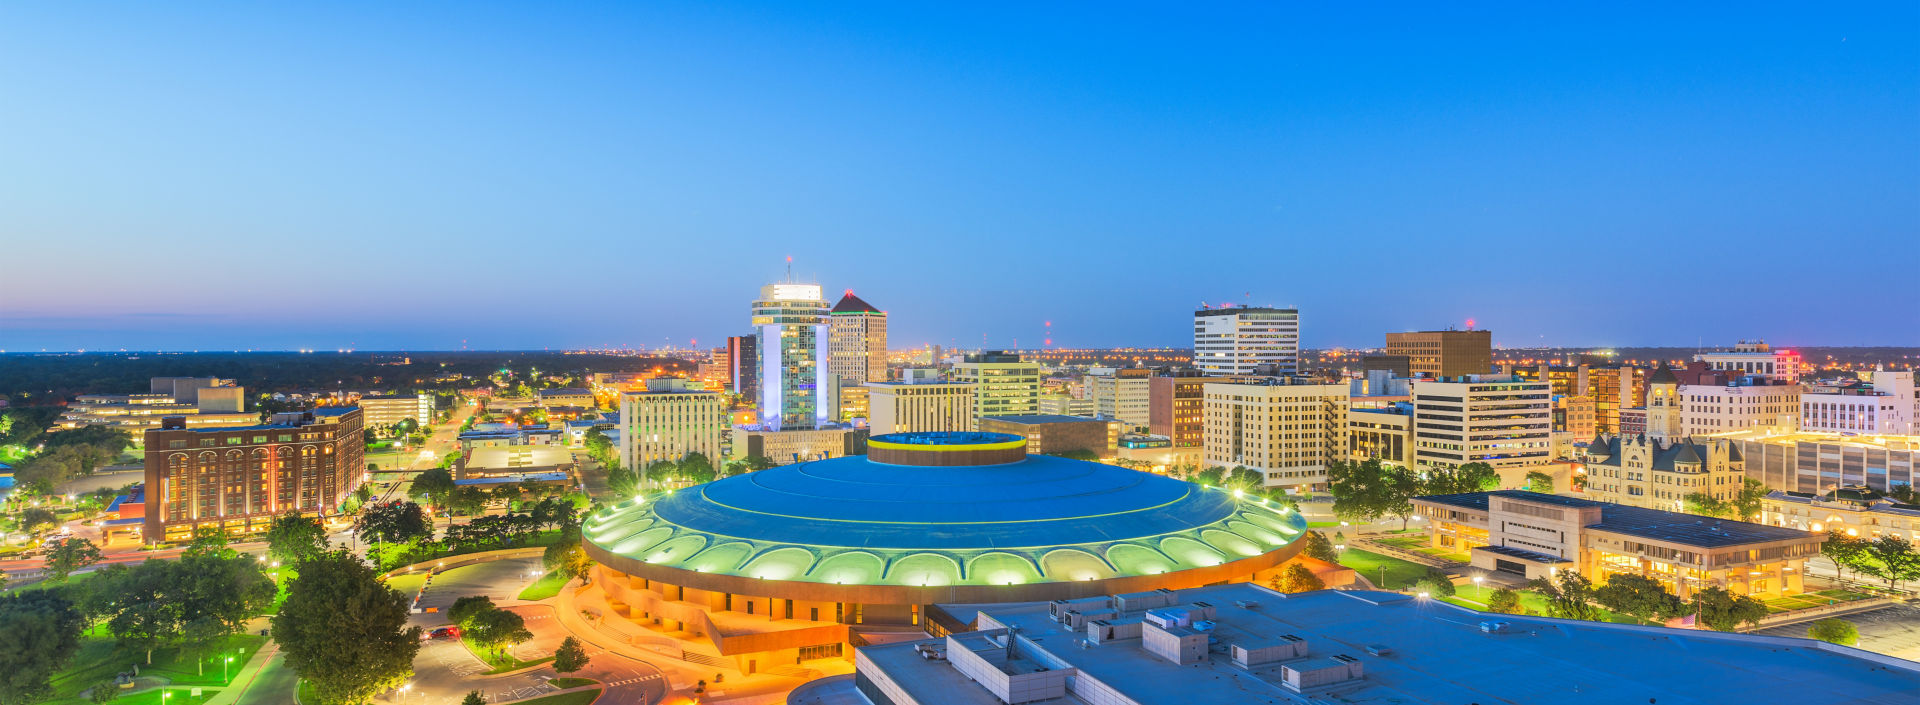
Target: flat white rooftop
1436 653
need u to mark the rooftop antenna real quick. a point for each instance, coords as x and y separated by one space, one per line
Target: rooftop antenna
789 269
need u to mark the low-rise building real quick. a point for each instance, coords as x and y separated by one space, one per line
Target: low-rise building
1816 463
1065 405
1645 472
1244 644
1888 406
547 398
1855 511
1383 433
386 410
798 445
1532 535
914 406
1053 435
1121 394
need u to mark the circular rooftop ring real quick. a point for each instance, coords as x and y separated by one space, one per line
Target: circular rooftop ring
859 521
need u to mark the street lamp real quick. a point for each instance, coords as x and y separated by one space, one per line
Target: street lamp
223 668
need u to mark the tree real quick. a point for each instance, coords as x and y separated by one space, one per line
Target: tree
1296 577
139 604
37 519
1724 611
1319 547
103 692
1504 601
1471 477
660 472
1890 558
570 657
1213 476
697 467
1436 583
293 538
506 494
344 631
1845 551
209 541
1245 478
495 629
621 481
363 493
756 463
466 608
1644 598
42 631
225 591
1705 504
1569 595
1539 482
434 485
566 557
468 501
70 555
1744 505
1368 491
1834 631
473 698
393 522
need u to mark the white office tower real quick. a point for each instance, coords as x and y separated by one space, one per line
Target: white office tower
1245 340
797 391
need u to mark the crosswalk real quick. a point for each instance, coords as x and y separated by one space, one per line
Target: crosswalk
631 681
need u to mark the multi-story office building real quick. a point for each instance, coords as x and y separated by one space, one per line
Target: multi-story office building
1245 340
670 420
1444 353
1818 462
1532 535
239 478
222 393
1176 408
387 410
1742 403
1854 510
1501 420
1654 473
743 366
1065 405
1573 415
202 401
1755 358
1122 395
858 334
796 387
1383 433
1888 406
1003 384
1288 432
916 406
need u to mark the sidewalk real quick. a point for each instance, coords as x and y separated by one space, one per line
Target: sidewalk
247 676
681 675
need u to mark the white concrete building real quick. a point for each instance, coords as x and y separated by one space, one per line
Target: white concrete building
1755 358
1243 340
1288 431
389 410
668 421
1746 404
1500 420
1889 407
908 407
1004 384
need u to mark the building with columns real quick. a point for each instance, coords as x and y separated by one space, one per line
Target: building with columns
1288 432
670 420
915 406
1533 535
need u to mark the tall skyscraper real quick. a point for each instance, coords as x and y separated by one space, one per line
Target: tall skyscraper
1444 353
796 387
859 341
1244 340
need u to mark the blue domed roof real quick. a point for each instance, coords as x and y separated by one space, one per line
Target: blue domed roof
852 501
855 520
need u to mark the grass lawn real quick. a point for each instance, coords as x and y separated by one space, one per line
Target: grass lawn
583 697
408 583
74 579
99 660
1322 524
148 697
1474 597
547 586
1411 543
503 661
1399 573
1822 598
565 683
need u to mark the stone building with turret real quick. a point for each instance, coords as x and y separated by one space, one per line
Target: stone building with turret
1640 471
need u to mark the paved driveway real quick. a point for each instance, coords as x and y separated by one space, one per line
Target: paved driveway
501 580
1893 630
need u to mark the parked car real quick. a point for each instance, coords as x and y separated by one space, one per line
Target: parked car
442 633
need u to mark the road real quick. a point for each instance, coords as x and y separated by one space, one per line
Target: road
627 680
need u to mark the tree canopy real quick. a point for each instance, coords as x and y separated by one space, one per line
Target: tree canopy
1368 490
293 538
344 631
42 631
1722 611
1642 597
68 555
1569 595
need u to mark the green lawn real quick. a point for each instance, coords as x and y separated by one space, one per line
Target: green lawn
1322 524
583 697
99 660
1411 543
565 683
1812 599
148 697
547 586
408 583
74 579
1474 597
1399 573
503 661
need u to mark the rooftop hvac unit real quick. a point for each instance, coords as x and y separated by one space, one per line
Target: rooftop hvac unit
1495 627
1246 604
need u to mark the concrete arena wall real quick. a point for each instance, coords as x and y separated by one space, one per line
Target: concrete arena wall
1239 570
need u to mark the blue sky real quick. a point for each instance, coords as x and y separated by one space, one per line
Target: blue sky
239 175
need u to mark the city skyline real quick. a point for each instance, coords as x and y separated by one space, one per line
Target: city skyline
1556 176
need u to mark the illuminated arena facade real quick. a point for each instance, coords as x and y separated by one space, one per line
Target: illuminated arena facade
777 566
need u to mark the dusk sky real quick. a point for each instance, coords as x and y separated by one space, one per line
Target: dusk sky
416 176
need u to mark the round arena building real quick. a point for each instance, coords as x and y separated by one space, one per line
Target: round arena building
775 567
